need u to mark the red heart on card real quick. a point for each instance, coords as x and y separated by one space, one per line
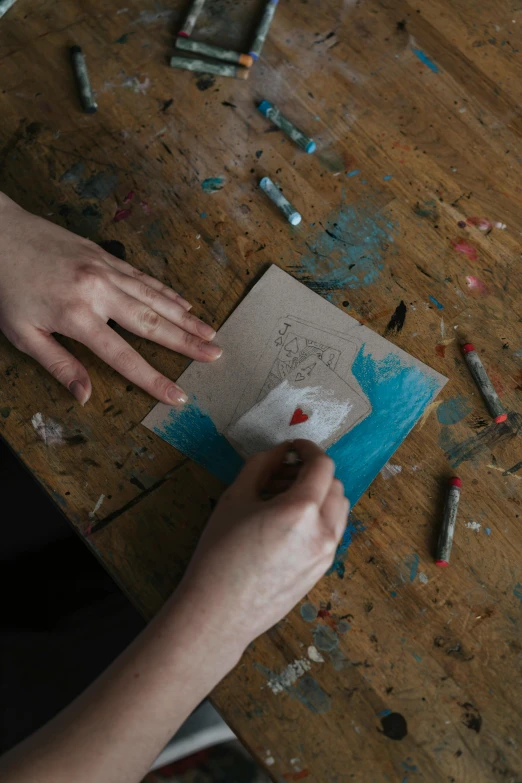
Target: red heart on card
298 417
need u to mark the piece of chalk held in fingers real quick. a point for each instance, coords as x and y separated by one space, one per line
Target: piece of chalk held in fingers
273 114
191 18
83 81
201 66
447 530
273 192
5 5
481 378
189 45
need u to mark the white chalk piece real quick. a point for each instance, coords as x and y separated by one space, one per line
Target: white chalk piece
192 17
447 530
482 380
83 81
273 193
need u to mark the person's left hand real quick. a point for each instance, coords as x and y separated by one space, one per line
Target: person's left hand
54 281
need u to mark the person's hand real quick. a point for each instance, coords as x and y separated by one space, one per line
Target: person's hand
258 557
54 281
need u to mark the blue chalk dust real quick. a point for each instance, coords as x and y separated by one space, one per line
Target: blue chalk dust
437 304
452 411
423 57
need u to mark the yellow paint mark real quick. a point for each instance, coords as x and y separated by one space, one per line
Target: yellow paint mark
429 410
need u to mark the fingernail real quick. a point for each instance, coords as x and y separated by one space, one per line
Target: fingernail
184 303
211 350
205 330
79 391
176 395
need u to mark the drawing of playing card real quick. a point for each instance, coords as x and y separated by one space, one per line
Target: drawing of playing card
291 343
311 402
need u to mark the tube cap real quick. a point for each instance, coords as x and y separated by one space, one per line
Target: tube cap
441 563
455 482
468 347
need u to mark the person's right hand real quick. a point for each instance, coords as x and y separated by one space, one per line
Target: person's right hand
54 281
258 557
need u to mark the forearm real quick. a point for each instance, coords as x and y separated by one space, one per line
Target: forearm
113 732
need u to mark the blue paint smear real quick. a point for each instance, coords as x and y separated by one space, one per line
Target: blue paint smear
517 591
384 713
412 563
437 304
425 59
192 431
353 527
454 410
387 177
212 184
353 173
202 214
487 531
398 394
393 594
417 657
350 251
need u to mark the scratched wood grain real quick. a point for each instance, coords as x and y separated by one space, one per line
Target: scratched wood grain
416 112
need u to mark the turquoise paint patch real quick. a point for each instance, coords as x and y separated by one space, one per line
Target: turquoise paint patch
393 594
398 394
353 527
308 612
202 214
353 173
350 251
425 59
417 657
387 177
517 591
437 304
384 713
487 531
190 430
454 410
412 563
212 184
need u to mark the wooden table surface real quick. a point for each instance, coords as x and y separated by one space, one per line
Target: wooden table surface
415 108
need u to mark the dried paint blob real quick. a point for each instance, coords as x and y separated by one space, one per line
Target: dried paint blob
452 411
476 285
308 612
394 726
461 246
212 184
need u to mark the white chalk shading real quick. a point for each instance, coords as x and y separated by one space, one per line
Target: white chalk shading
268 422
97 507
473 525
423 578
289 675
48 430
314 654
390 470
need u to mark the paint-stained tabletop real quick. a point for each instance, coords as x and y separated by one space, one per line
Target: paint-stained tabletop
391 669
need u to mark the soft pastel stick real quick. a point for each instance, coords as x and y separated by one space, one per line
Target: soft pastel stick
189 45
201 66
273 192
83 81
447 530
481 378
263 28
191 19
5 5
273 114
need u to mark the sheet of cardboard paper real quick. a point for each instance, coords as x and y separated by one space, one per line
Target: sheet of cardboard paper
280 325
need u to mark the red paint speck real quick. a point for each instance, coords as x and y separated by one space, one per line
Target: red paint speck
440 350
461 246
121 214
323 613
128 198
476 285
303 773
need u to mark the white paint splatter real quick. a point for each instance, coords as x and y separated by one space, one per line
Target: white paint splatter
315 655
269 761
500 225
97 507
49 431
423 577
389 470
133 83
473 525
442 328
289 675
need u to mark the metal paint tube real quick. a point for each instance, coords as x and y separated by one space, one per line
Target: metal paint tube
189 45
448 523
83 81
201 66
273 114
481 378
273 192
263 28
